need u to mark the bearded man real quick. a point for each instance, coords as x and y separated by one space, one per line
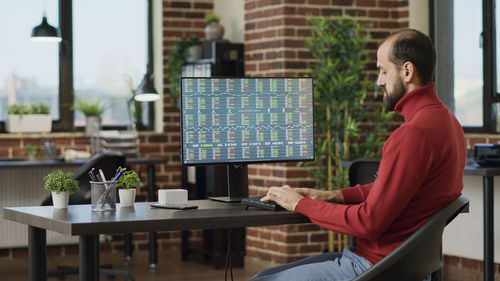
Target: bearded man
420 171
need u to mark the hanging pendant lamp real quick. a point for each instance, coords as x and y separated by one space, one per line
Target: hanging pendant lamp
146 90
44 32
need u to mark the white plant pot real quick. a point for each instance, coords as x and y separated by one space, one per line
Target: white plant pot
28 123
127 197
92 125
194 53
60 201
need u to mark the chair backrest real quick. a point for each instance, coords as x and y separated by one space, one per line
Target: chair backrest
363 171
108 162
420 254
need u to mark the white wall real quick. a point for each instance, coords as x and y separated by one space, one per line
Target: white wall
464 236
232 18
419 15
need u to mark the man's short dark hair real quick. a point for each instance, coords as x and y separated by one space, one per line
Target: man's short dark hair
416 47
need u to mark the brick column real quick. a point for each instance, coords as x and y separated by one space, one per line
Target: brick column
274 46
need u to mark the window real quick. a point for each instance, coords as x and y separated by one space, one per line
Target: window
475 91
29 71
109 54
103 55
468 63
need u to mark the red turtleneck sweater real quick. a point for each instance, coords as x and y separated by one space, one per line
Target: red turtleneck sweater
420 172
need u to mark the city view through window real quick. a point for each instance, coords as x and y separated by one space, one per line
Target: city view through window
109 55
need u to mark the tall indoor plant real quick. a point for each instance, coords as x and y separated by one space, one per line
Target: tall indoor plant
176 59
346 125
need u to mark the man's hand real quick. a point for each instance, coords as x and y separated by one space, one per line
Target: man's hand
321 195
285 196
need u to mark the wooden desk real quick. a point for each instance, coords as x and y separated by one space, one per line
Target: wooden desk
80 220
488 226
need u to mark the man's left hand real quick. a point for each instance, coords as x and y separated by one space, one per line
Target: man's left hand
285 196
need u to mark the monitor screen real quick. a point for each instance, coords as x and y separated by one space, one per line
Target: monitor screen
246 120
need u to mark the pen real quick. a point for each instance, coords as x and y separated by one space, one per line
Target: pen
106 192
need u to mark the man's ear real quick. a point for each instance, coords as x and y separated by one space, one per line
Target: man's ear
408 73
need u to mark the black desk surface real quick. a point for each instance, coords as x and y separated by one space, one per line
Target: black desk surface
80 220
79 162
476 170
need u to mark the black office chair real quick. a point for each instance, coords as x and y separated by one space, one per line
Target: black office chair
363 171
108 162
420 255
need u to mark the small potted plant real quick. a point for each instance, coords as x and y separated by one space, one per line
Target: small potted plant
61 185
126 182
93 110
33 151
28 118
213 30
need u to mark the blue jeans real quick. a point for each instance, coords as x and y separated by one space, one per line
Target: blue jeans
326 267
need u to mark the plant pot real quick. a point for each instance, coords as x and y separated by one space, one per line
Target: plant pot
28 123
194 53
127 197
60 201
92 125
214 31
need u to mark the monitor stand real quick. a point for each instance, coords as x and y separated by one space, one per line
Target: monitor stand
237 184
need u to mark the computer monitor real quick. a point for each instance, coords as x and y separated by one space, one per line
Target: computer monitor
240 121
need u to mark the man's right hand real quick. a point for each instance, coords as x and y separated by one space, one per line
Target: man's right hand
321 195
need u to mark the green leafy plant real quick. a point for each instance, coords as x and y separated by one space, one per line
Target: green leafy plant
89 106
211 17
33 151
346 126
176 60
128 179
135 107
58 182
22 109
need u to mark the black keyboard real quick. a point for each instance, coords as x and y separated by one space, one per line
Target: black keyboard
255 202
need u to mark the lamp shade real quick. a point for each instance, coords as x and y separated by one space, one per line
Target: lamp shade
44 32
146 90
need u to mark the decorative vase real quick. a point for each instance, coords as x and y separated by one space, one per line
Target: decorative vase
127 197
194 53
214 31
92 125
60 201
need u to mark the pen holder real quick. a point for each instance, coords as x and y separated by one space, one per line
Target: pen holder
102 196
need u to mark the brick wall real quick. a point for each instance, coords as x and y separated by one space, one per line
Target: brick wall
274 46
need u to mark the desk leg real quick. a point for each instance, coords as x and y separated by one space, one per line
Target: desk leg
488 243
153 254
89 257
37 251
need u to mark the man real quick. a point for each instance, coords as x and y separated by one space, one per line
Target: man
420 171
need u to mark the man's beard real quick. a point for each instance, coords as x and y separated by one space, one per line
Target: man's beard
390 100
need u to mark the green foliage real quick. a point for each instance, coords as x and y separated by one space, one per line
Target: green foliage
33 151
211 17
338 46
128 179
136 108
176 60
89 106
21 109
58 182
